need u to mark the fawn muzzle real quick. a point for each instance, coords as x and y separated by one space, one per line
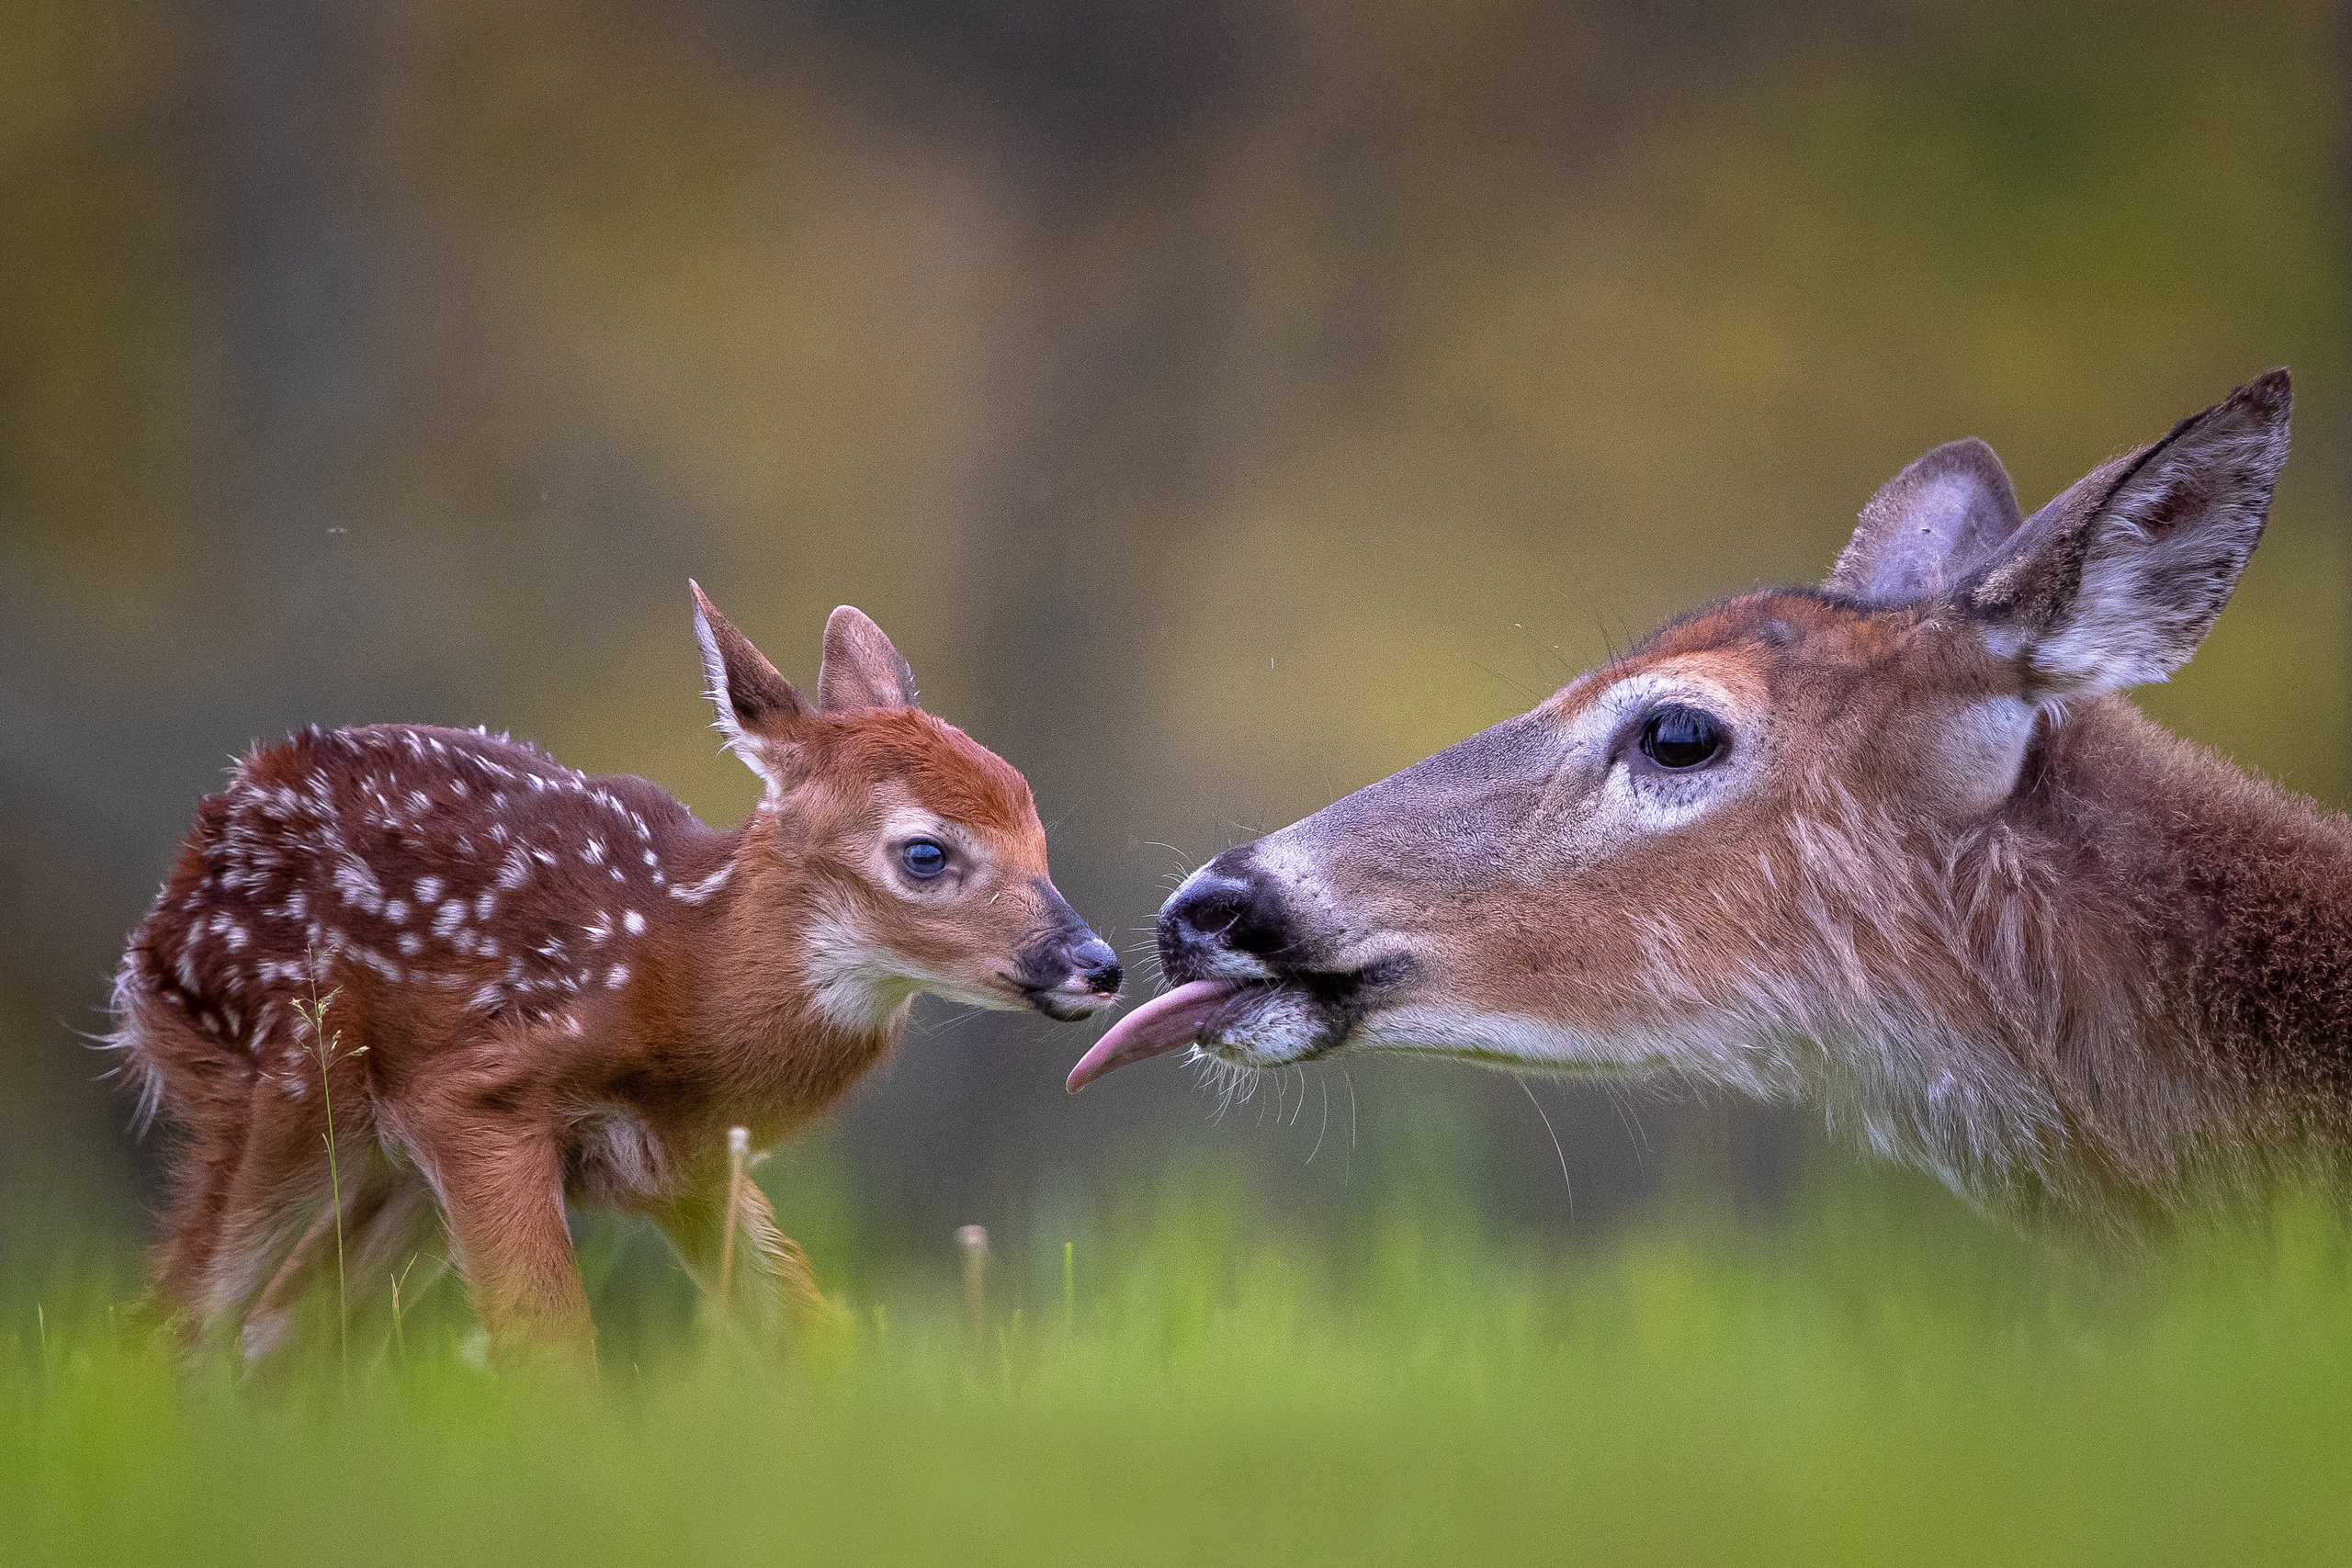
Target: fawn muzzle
1066 971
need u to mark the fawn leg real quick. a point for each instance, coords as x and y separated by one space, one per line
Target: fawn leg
200 1178
280 1177
368 1193
501 1186
401 1235
770 1284
213 1108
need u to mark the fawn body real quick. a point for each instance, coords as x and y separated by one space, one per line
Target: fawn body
1896 843
542 986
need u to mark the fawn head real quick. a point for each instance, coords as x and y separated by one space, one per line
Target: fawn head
904 854
1707 841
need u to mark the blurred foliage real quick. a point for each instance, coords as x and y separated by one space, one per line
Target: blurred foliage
1222 405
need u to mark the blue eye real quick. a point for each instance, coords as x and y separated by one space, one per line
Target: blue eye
923 859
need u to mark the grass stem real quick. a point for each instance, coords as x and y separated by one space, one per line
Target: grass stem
739 1155
973 1242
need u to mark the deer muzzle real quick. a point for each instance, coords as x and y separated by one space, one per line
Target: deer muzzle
1066 971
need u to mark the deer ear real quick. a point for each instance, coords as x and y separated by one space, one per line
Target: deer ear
1928 526
758 709
862 669
2116 581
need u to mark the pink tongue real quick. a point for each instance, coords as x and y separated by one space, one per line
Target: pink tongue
1161 1024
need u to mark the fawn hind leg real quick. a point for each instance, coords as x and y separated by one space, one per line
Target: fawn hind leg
210 1098
387 1215
391 1225
273 1211
769 1286
201 1171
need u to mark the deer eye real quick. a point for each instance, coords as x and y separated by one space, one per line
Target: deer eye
1679 737
923 859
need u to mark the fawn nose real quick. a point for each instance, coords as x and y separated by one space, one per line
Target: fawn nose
1065 970
1227 919
1094 965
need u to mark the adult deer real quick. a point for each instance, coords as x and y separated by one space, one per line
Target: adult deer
1897 843
544 988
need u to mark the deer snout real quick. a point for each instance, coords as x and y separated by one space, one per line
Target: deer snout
1094 967
1067 972
1229 921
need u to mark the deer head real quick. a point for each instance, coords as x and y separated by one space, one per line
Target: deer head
900 853
1757 828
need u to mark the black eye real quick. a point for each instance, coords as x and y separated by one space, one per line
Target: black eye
1677 737
923 859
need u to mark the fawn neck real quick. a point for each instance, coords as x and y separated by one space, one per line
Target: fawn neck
777 1025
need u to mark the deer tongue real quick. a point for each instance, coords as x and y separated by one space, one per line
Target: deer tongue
1162 1024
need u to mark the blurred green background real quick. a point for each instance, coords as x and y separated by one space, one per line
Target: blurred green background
1221 405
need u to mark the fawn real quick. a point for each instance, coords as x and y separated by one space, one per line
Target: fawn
543 987
1897 843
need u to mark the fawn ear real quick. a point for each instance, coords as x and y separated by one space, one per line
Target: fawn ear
862 669
2117 580
757 707
1928 526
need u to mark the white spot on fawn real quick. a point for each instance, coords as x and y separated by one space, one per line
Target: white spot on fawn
357 883
635 922
703 891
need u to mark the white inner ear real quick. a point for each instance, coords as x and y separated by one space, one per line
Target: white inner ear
2144 603
714 674
1981 752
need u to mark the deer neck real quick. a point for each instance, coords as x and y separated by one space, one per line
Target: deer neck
783 1012
2235 894
2141 967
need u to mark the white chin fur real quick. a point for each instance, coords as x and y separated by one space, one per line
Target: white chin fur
863 987
1707 1047
1280 1027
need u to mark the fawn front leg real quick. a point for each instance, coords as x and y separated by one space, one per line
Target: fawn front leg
502 1197
768 1286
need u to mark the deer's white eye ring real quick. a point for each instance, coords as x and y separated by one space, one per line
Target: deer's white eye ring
923 858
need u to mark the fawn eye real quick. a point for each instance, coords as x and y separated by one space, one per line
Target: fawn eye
923 859
1677 737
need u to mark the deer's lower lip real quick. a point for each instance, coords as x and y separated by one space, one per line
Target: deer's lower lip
1067 1006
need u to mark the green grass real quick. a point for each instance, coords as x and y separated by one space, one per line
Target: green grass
1883 1379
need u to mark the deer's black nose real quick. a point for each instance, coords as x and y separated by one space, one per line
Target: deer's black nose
1094 961
1226 907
